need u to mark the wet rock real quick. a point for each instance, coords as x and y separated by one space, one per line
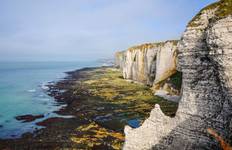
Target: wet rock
83 132
50 121
103 118
78 109
100 108
27 135
28 118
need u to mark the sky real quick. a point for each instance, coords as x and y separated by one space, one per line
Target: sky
78 30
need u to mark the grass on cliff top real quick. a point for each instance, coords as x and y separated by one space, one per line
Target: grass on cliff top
146 46
223 9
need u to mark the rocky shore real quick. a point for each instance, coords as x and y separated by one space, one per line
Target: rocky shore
101 103
127 107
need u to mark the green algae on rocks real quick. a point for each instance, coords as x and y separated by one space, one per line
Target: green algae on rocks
112 88
102 103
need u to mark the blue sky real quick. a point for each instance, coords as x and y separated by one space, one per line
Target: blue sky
76 30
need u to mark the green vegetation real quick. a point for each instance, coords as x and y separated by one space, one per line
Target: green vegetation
223 9
132 97
102 103
92 134
118 98
146 46
176 79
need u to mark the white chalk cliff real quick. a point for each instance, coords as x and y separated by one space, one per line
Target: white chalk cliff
205 59
149 64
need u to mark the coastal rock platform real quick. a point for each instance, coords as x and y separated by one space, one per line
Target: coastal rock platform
101 103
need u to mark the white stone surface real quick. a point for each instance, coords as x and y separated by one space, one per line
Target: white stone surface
205 58
148 63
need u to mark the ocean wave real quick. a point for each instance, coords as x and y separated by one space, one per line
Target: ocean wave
41 96
45 99
32 90
44 86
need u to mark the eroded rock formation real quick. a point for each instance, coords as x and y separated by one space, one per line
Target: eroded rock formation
150 64
205 59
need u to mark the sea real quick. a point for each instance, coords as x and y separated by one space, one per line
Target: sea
23 87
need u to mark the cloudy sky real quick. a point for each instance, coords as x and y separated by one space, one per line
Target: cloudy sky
74 30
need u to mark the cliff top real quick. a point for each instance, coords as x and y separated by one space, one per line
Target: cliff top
151 45
119 54
223 9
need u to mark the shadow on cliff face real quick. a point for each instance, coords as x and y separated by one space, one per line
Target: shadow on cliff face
206 96
210 100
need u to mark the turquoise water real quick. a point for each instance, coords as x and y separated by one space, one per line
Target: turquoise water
22 91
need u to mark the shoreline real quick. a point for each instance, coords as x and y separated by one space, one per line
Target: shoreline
99 117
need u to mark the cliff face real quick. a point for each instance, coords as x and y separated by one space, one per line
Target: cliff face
148 63
205 59
165 61
120 59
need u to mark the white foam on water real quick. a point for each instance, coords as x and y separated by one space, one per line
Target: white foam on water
32 90
44 86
